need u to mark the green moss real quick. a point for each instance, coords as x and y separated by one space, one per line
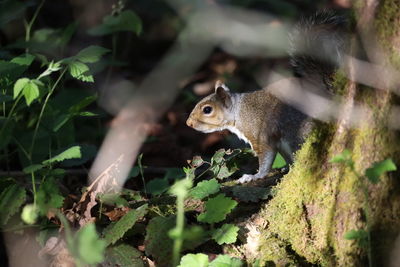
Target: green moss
387 25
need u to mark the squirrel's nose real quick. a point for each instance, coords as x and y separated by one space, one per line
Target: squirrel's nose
189 122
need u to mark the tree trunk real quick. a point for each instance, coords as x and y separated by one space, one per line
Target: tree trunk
318 202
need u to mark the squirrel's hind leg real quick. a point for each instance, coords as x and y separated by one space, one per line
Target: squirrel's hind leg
265 163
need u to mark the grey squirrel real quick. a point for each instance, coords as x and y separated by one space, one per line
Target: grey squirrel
260 118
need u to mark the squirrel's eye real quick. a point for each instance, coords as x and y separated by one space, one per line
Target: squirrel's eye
207 110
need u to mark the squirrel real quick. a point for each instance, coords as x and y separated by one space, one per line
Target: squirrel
260 118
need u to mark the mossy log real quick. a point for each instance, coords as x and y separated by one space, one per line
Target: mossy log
318 202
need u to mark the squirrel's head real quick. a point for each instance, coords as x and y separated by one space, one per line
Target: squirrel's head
214 112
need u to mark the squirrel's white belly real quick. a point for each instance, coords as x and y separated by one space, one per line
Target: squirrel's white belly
239 134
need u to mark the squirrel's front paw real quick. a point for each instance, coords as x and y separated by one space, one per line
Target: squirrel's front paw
248 178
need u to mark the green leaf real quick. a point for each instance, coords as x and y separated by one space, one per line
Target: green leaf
48 196
90 248
33 168
343 157
91 54
124 21
227 234
11 199
204 189
124 255
378 169
24 60
279 161
19 86
80 71
361 236
158 244
226 261
157 186
224 171
71 153
31 92
218 156
116 231
194 260
216 209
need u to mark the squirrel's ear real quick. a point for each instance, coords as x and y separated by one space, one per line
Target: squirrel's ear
219 84
223 94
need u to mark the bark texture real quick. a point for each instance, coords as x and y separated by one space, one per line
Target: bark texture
318 202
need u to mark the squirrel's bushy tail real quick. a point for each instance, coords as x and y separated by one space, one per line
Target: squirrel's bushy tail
317 46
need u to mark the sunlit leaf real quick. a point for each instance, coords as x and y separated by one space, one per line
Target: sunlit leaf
227 234
19 86
194 260
91 54
279 161
80 71
216 209
31 92
205 188
226 261
71 153
378 169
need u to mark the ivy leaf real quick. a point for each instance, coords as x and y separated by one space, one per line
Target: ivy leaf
11 199
226 261
116 231
91 54
31 92
71 153
227 234
216 209
90 248
194 260
378 169
80 71
204 189
48 196
279 162
124 255
127 20
19 86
